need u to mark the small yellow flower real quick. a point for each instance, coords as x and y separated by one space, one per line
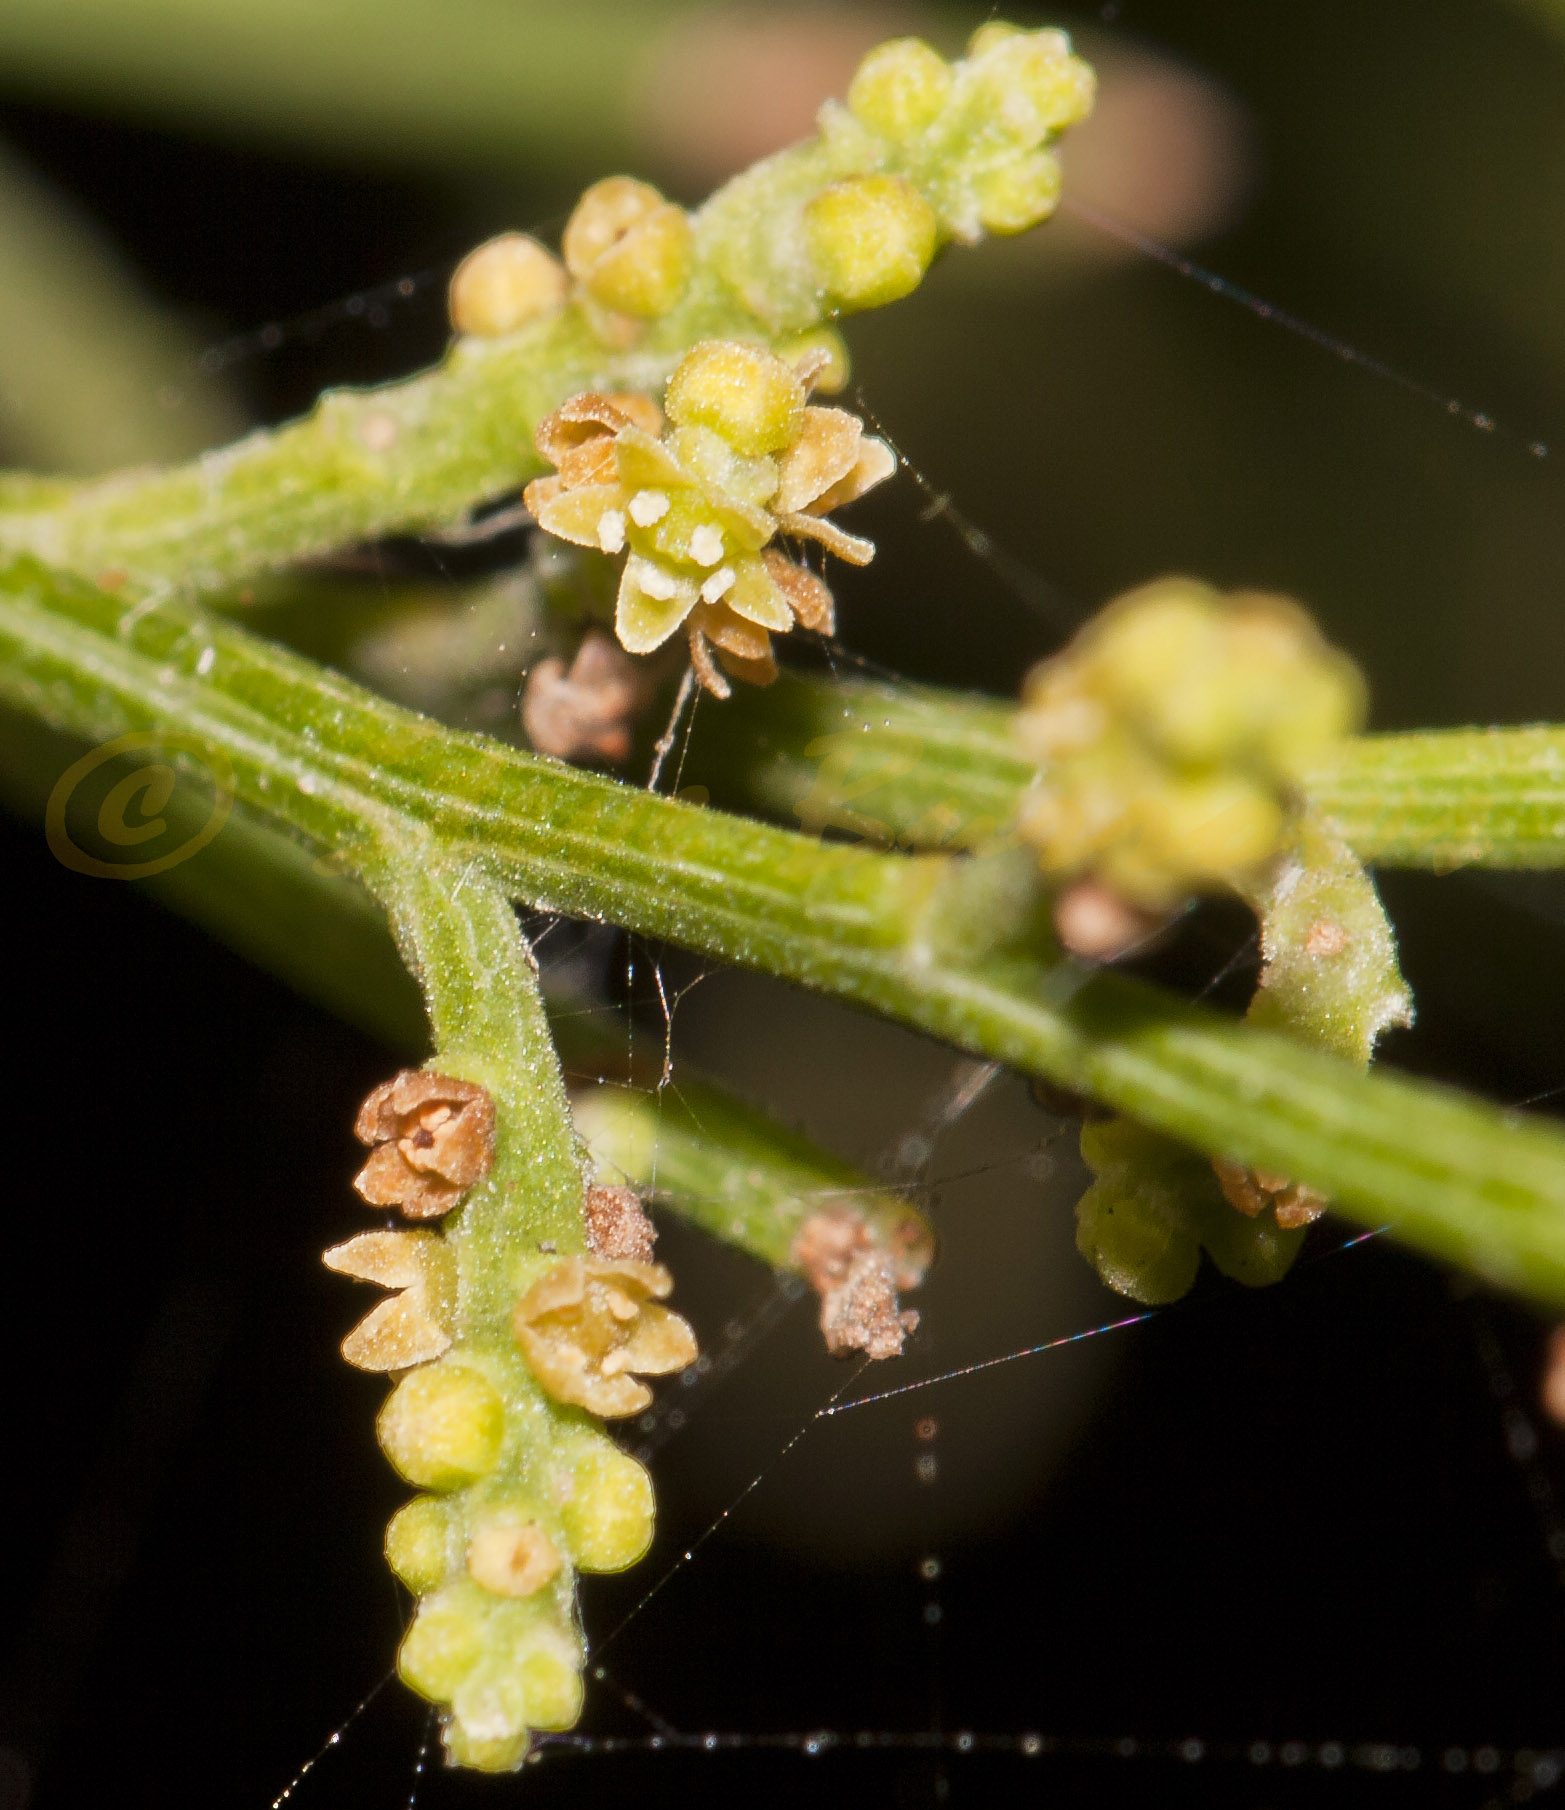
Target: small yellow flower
694 504
592 1325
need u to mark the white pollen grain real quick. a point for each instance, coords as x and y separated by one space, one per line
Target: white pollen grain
647 507
706 545
721 581
611 531
656 584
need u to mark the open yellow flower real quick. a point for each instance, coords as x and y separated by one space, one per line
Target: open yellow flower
694 505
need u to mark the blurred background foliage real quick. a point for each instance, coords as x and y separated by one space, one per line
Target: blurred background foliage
1291 1513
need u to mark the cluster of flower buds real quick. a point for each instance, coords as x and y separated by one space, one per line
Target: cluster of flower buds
1156 1204
517 1495
975 137
627 258
695 502
1170 736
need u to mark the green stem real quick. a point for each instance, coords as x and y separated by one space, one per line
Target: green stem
736 1173
346 770
923 768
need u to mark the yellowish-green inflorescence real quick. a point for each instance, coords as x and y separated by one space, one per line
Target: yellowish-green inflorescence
508 1346
1170 737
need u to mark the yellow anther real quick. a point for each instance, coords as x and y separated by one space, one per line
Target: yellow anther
628 247
504 284
871 239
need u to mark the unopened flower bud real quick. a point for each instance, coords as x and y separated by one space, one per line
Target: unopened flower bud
445 1641
441 1426
504 284
1132 1224
418 1543
528 1678
608 1515
871 238
743 393
900 87
628 247
1019 193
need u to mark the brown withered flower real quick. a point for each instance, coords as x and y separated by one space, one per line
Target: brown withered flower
857 1282
413 1327
433 1138
617 1225
592 1325
1251 1191
589 711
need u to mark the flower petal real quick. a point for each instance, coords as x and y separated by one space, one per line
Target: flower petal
642 621
875 463
396 1335
574 515
851 547
755 595
823 455
809 599
707 669
645 463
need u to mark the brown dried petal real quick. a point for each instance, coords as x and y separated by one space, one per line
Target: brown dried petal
861 1313
876 462
592 462
706 668
434 1138
733 633
825 451
593 414
840 1260
808 598
617 1226
588 711
752 672
852 547
1251 1191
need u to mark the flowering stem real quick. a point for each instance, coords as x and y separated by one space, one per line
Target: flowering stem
943 945
925 768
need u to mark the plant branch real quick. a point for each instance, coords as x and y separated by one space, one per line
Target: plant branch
345 770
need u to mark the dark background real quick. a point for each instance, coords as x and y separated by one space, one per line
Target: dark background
1325 1513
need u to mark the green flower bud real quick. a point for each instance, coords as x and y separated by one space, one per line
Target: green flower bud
608 1516
448 1638
529 1677
441 1426
871 238
1256 1252
900 87
1019 193
418 1543
743 393
1134 1225
504 284
628 247
832 377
